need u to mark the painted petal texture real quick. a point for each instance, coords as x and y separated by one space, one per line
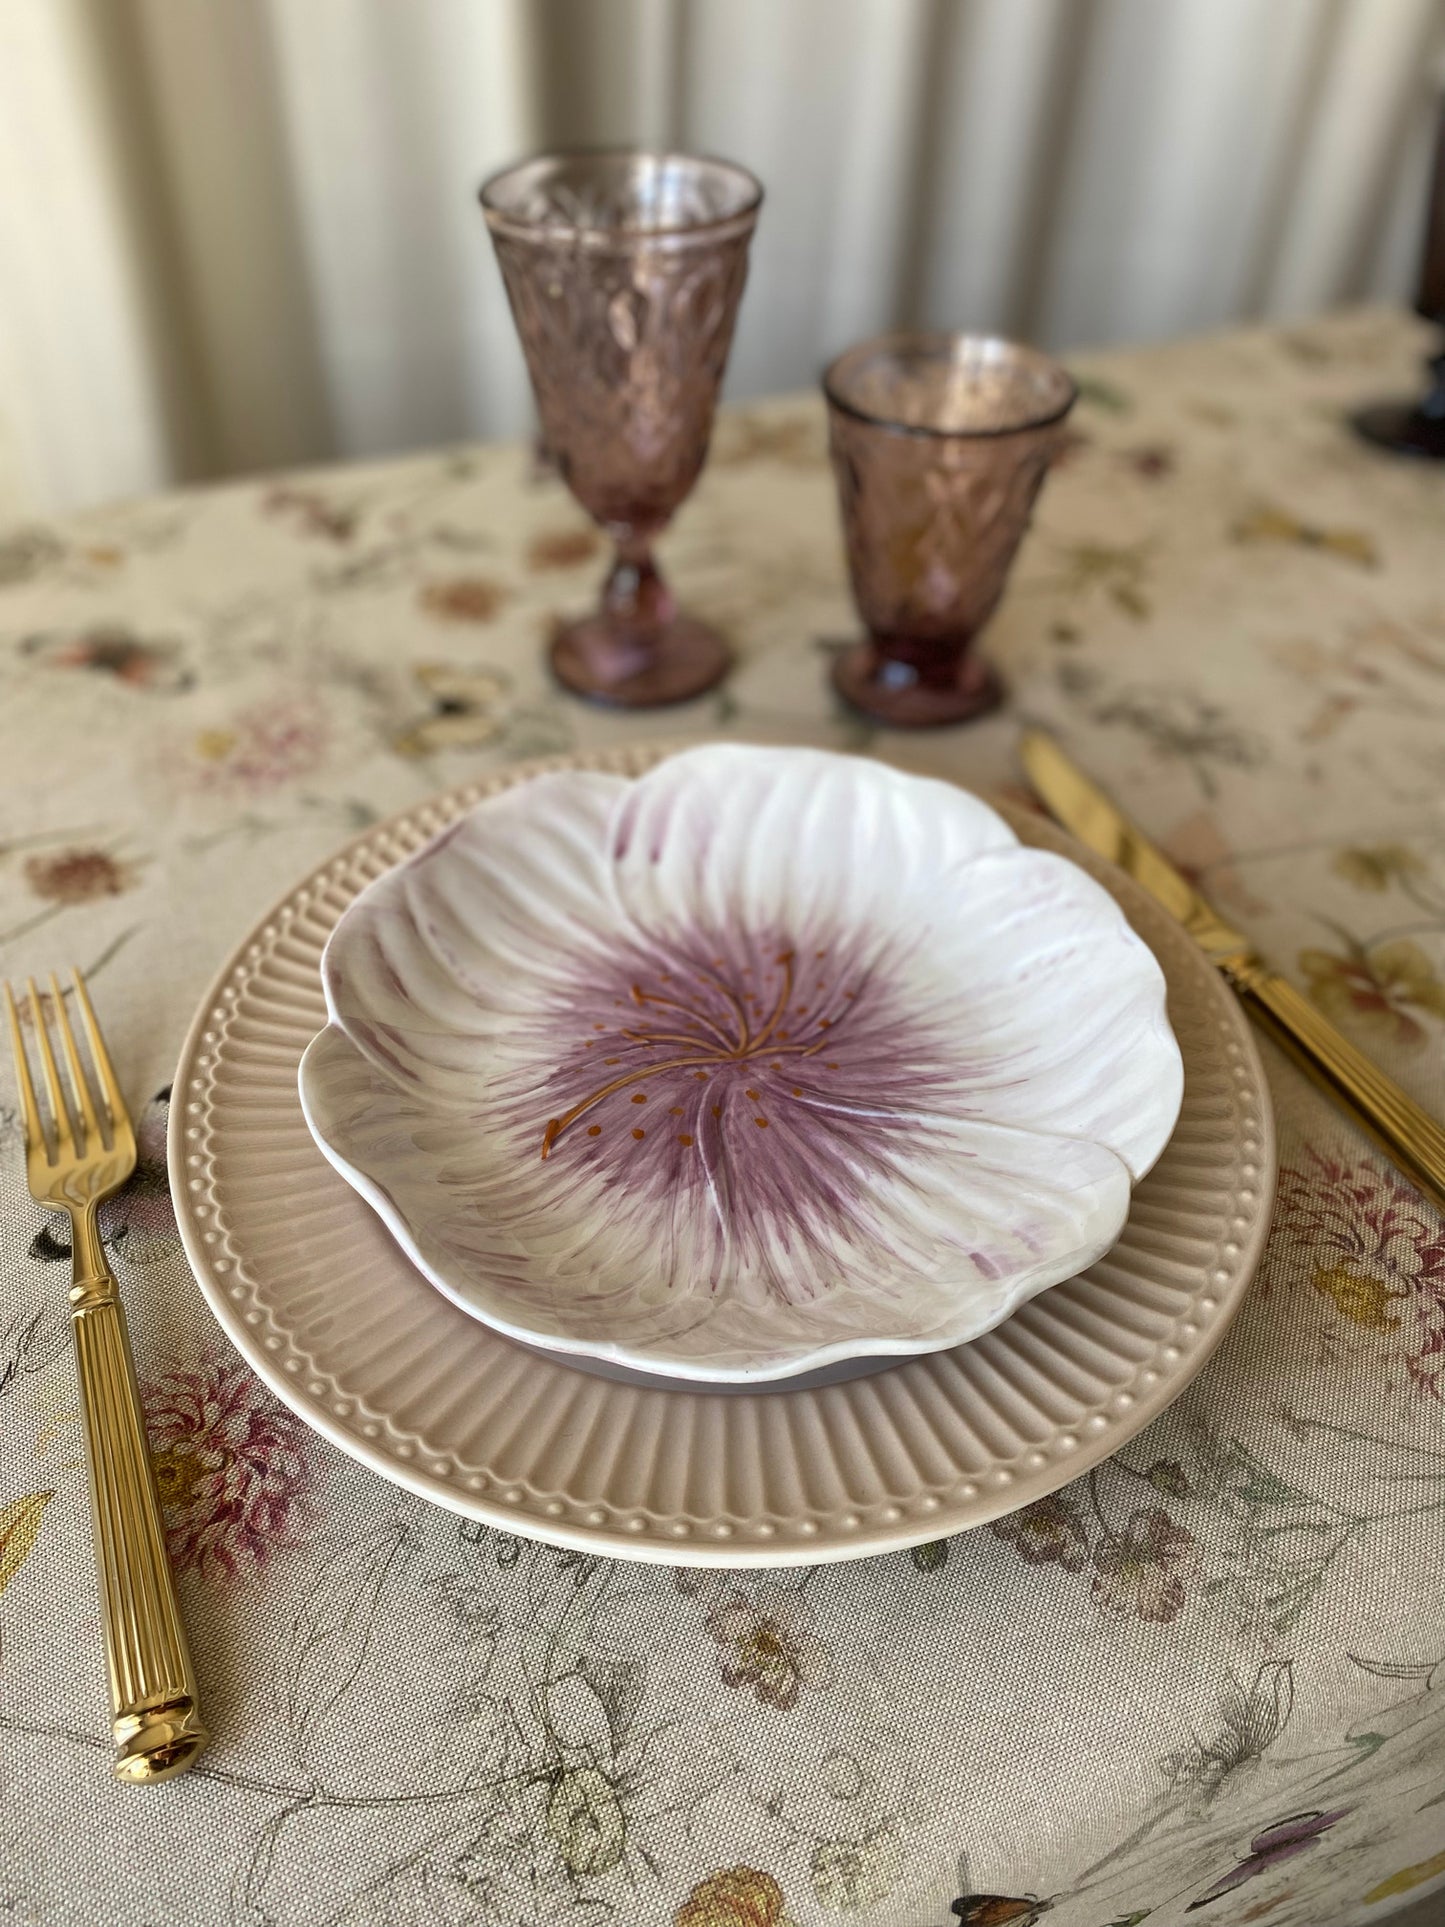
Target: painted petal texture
766 1059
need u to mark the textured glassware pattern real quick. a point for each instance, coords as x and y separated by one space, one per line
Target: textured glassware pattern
940 444
624 272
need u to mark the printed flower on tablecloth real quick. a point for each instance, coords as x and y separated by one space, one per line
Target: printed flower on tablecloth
263 747
1271 524
1051 1528
562 548
311 513
108 650
1376 866
849 1875
473 705
1152 461
234 1468
739 1897
1146 1569
768 1643
1376 1252
79 876
467 598
19 1524
25 553
1379 988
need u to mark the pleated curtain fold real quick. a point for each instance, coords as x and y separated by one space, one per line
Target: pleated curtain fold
238 234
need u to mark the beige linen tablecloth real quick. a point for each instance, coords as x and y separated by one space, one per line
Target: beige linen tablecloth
1209 1678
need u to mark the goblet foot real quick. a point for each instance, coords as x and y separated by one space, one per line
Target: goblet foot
903 697
639 666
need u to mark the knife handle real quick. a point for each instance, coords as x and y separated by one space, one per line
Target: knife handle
1409 1136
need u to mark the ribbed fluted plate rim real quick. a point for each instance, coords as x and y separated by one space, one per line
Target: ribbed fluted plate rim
875 1464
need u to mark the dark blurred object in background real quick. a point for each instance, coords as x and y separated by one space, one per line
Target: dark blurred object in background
1418 428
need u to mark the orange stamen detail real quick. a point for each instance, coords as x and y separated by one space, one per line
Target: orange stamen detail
557 1125
643 997
780 1008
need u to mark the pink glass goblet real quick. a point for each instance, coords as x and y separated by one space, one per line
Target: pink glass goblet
940 444
624 271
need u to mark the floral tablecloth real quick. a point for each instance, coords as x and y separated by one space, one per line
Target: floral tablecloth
1210 1677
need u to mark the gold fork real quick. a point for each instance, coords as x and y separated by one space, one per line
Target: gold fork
80 1156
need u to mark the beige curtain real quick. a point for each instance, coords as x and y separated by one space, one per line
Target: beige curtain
236 234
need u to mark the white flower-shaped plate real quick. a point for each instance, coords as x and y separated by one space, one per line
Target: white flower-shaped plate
320 1299
763 1061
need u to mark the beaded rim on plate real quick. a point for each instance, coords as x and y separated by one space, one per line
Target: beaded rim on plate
437 1403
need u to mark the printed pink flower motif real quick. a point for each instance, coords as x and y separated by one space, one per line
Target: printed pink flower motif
1377 1254
235 1469
261 748
1145 1570
768 1643
1049 1529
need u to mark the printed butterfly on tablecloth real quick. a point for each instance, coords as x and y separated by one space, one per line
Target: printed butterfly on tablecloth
999 1910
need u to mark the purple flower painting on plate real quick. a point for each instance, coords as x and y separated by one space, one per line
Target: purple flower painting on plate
763 1060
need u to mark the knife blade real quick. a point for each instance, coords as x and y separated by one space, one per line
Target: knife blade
1412 1139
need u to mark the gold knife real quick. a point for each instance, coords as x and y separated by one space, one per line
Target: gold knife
1408 1136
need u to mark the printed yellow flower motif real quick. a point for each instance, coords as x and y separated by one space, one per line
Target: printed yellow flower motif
740 1897
1406 1878
467 709
1278 525
215 745
1376 867
19 1523
1380 989
1358 1295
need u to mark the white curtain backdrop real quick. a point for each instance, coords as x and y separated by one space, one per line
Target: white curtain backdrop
236 234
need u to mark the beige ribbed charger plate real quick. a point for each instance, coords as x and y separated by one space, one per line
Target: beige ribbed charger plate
318 1298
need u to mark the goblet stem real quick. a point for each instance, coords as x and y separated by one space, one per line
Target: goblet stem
636 650
635 595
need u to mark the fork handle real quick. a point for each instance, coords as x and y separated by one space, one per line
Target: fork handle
155 1716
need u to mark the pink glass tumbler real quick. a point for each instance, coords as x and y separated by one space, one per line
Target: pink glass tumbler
940 444
624 271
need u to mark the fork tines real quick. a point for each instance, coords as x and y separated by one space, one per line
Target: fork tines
79 1117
